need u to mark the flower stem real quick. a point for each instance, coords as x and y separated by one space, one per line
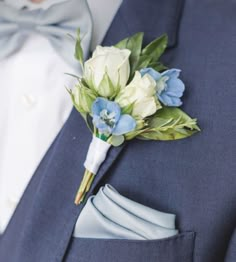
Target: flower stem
84 187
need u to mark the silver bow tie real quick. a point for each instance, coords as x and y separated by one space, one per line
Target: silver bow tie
55 24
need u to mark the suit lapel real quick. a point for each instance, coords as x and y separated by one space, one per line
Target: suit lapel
151 16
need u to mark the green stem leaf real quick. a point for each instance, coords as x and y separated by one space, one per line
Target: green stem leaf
169 124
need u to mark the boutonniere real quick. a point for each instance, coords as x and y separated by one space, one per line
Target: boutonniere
125 92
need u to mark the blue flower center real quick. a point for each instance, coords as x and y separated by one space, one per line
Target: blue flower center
108 117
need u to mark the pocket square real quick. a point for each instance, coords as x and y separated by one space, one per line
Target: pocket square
113 216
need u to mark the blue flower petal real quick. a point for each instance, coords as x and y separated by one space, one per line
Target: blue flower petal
176 102
172 73
165 99
100 124
170 100
153 73
170 96
98 105
103 128
106 115
126 124
115 108
175 85
96 118
173 94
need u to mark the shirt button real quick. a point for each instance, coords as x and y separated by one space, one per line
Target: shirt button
28 101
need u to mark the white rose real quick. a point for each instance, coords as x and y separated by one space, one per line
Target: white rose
108 69
141 92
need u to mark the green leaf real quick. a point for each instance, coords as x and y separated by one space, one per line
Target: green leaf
169 124
141 125
128 109
134 44
148 57
78 49
133 134
123 43
158 66
160 122
116 140
156 48
144 61
72 75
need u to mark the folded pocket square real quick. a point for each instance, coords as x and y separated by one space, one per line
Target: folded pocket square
113 216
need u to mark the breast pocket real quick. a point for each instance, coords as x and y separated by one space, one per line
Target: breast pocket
178 248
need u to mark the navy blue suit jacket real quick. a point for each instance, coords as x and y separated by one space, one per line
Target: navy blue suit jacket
193 178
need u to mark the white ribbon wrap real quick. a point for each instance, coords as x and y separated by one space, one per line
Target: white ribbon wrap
96 154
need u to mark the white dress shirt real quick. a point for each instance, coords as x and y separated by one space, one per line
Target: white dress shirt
34 104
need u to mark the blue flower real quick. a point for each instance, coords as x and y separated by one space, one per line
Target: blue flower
169 87
108 119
